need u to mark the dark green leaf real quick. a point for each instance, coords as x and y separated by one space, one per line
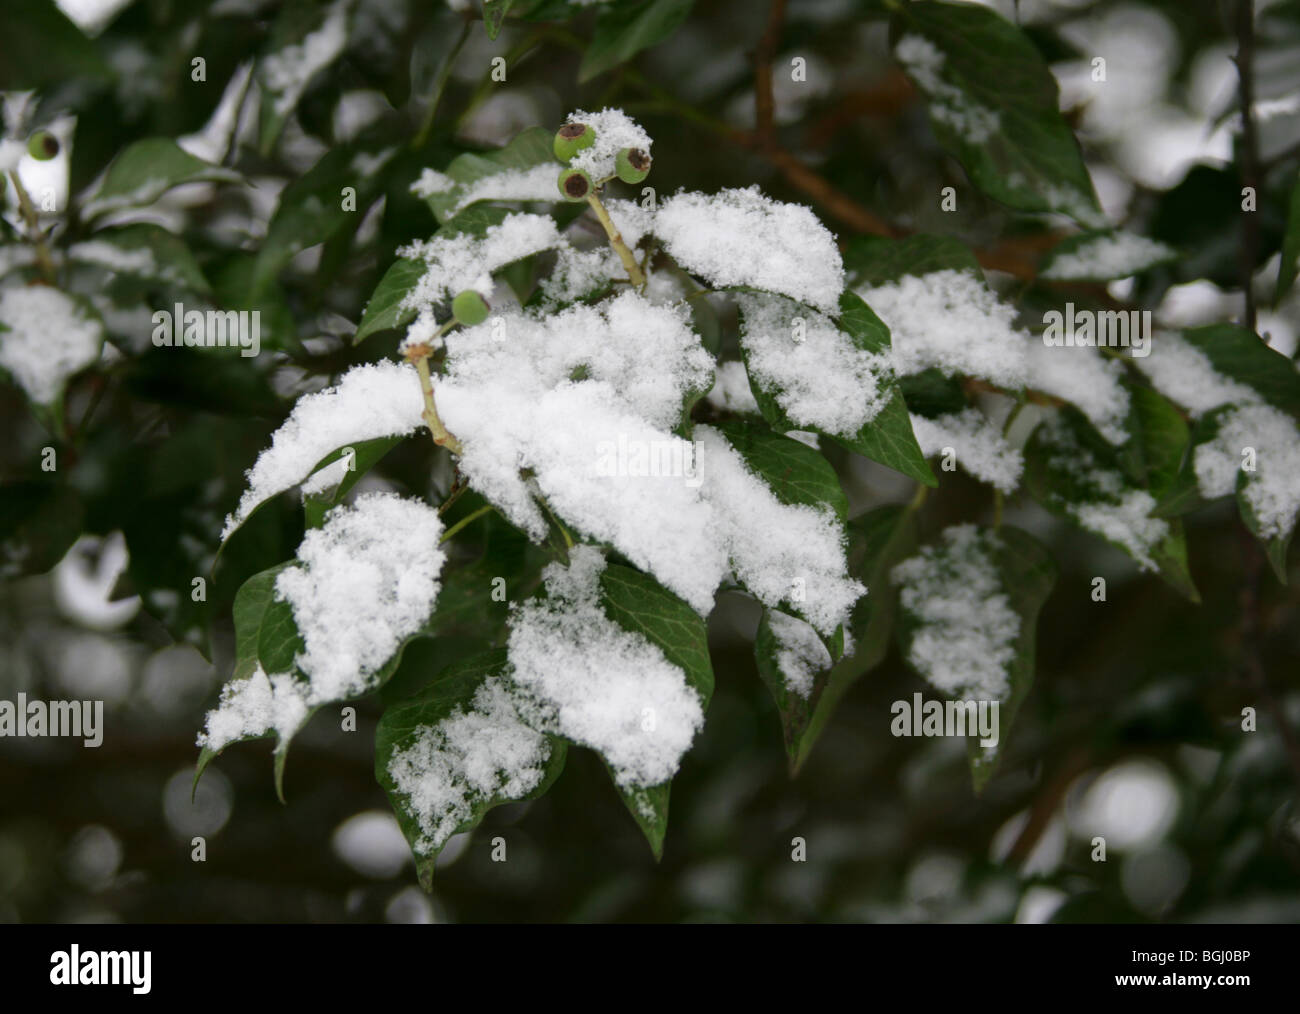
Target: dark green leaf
529 148
796 473
875 260
1241 355
494 13
624 29
362 458
146 170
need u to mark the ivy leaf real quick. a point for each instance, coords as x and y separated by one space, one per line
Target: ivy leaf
877 540
147 169
1103 255
311 208
40 47
875 260
1275 546
360 459
994 107
385 309
624 29
169 258
527 149
1028 574
1243 356
888 438
1290 264
796 473
452 690
796 709
304 40
494 13
1075 473
638 603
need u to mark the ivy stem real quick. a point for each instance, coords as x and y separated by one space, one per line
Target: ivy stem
921 491
467 519
418 355
28 210
633 269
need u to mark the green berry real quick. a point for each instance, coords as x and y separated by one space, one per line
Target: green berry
574 184
632 165
469 308
43 145
571 139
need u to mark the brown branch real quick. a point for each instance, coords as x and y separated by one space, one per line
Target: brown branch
764 105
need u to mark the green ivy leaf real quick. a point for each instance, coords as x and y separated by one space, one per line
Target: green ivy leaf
494 13
875 260
877 541
1243 356
994 107
1027 574
363 456
40 47
796 473
298 24
529 148
638 603
1053 478
1276 546
147 169
451 690
172 263
624 29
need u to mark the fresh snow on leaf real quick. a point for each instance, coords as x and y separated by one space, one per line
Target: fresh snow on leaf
1106 256
951 320
369 401
800 652
598 684
473 755
368 579
1184 374
791 554
363 583
287 72
820 378
257 706
977 442
1102 501
965 638
1273 489
731 391
50 337
1084 377
465 261
741 237
537 183
949 105
614 130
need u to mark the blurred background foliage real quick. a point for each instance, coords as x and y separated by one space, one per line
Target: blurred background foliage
1132 729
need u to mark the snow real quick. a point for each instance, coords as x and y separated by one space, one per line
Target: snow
951 320
1114 255
800 653
949 104
1086 378
432 182
50 338
783 553
367 579
598 684
369 401
1184 374
138 260
1273 489
965 641
288 71
1111 507
819 377
741 237
614 131
464 261
538 183
468 758
256 706
731 391
978 445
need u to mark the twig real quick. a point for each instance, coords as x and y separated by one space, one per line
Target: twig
1244 60
634 272
37 238
764 104
418 355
